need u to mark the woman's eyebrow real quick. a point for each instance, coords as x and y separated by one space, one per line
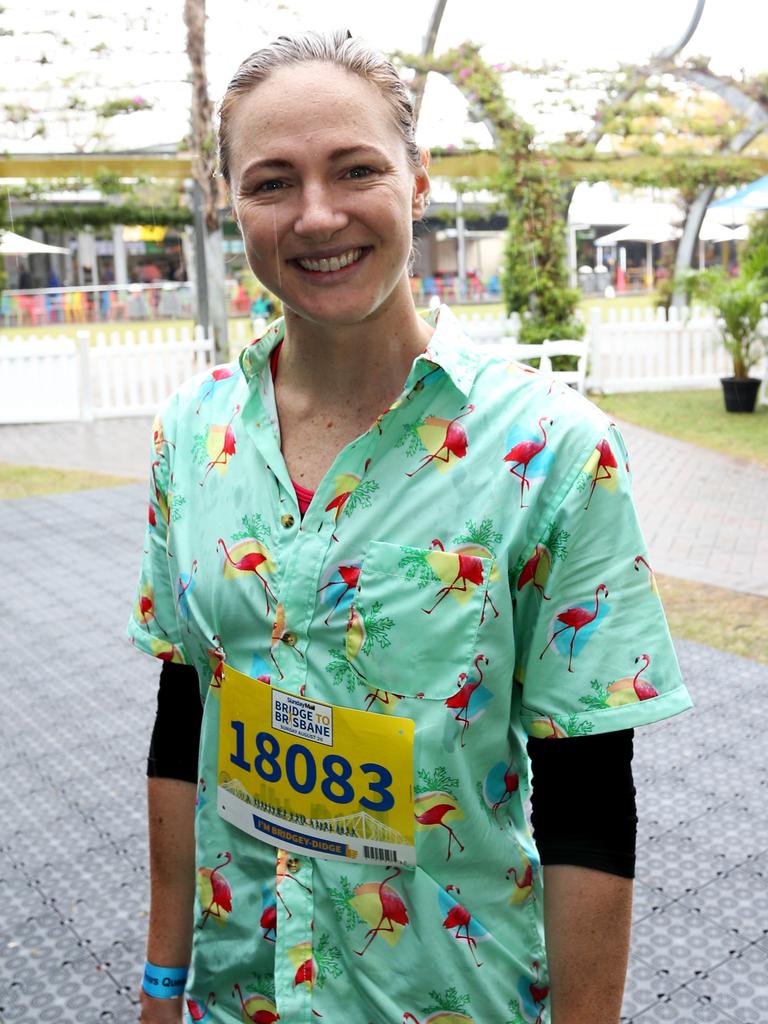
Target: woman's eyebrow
340 153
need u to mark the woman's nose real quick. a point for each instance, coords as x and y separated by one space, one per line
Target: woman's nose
319 214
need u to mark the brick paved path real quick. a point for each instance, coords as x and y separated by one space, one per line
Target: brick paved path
76 705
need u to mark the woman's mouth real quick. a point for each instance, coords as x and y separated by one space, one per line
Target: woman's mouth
331 264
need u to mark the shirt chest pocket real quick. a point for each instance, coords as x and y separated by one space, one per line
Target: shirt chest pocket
415 618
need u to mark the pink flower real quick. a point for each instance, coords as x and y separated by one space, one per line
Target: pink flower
465 72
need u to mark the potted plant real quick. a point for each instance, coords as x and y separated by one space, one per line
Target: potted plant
738 302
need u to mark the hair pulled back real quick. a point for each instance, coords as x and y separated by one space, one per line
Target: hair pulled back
339 49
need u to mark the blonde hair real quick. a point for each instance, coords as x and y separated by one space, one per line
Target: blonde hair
339 49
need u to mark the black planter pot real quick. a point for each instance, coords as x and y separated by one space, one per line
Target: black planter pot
740 395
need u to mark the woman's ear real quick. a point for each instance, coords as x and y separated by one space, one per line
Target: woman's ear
421 188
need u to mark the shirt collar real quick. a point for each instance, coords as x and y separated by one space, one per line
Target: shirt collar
449 348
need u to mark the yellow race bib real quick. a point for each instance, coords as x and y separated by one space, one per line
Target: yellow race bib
313 778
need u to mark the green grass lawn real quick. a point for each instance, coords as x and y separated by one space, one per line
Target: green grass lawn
35 481
726 619
695 416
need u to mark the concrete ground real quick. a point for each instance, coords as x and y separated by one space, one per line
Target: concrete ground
76 706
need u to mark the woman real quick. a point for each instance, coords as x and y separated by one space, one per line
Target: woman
430 555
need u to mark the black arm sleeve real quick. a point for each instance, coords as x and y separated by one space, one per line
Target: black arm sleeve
173 750
583 801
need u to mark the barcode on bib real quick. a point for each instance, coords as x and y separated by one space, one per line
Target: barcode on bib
377 853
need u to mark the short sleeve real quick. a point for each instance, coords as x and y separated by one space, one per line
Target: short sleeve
593 650
153 625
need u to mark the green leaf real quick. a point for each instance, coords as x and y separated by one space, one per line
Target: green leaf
255 528
341 671
327 958
595 701
436 781
361 497
177 507
376 628
341 900
410 437
416 566
483 534
448 1002
199 451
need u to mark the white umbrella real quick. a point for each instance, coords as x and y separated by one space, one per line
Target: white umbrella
651 232
12 244
711 231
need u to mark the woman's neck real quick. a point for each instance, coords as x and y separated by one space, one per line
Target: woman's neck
366 363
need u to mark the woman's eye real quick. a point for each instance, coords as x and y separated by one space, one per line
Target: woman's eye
359 172
269 186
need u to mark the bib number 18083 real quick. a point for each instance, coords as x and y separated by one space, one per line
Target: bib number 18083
301 771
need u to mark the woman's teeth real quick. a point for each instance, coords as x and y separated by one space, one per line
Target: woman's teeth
334 263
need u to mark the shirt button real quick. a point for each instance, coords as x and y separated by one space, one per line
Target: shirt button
290 639
287 520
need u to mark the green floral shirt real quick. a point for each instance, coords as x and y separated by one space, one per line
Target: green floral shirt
473 562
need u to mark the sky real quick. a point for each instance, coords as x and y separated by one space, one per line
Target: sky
144 50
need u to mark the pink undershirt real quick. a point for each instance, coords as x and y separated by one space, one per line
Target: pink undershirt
303 494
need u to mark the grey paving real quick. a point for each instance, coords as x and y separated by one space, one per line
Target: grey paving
703 514
76 706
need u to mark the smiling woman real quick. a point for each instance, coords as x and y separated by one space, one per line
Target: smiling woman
367 516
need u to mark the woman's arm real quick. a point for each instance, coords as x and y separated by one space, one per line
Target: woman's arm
171 805
587 917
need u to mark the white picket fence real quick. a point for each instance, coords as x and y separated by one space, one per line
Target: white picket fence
103 374
52 379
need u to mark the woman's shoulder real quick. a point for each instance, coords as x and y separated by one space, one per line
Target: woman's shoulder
203 398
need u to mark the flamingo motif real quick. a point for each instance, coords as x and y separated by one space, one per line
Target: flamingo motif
538 565
160 498
346 577
250 562
453 443
469 570
575 619
639 560
523 453
144 610
533 994
215 889
184 586
499 785
200 1011
604 461
632 690
467 928
256 1008
227 450
218 374
268 919
437 808
523 883
217 658
393 910
471 699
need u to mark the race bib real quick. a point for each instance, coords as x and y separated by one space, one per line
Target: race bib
313 778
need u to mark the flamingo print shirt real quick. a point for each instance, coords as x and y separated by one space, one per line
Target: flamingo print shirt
472 562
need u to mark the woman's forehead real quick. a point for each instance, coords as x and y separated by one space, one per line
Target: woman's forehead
296 113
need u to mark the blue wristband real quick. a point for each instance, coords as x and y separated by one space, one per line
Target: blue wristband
164 982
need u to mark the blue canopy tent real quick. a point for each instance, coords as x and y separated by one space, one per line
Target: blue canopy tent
751 197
